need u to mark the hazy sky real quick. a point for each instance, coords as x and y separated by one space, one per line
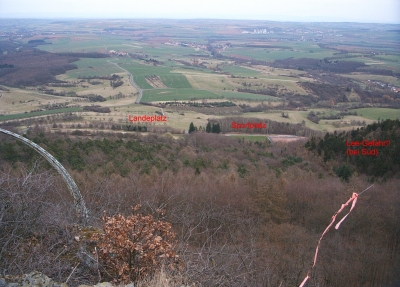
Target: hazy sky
371 11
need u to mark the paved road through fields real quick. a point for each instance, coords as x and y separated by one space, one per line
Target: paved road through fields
132 82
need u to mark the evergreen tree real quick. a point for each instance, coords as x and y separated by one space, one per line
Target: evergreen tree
208 128
344 171
192 128
216 128
213 128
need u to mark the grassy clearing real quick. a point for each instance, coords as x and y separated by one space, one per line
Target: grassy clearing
41 113
175 118
241 71
390 58
251 137
156 95
378 62
180 121
209 81
378 113
24 100
104 89
296 117
225 83
365 77
290 85
19 101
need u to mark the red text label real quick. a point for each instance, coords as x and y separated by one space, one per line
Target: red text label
147 118
368 143
371 151
259 125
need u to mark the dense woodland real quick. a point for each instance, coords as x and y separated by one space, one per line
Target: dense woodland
244 213
334 66
33 67
28 66
386 162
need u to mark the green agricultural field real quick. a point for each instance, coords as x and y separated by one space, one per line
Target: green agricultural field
240 71
140 80
153 95
271 54
86 43
378 113
41 113
140 71
93 67
390 58
156 95
247 96
167 51
178 81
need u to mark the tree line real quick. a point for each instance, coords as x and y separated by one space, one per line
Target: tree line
214 128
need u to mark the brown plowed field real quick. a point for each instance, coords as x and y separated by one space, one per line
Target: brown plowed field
155 82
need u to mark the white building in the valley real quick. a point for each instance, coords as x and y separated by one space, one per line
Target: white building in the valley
257 31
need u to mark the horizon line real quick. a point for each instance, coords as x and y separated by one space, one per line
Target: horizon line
185 19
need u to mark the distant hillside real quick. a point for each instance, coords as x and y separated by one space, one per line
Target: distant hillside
33 67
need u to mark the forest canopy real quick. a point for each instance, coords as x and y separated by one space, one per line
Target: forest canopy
385 163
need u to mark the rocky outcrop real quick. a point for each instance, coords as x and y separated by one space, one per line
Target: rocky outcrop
37 279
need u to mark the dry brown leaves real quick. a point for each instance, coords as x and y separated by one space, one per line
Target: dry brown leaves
133 247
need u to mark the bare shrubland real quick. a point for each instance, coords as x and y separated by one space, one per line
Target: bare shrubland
254 226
